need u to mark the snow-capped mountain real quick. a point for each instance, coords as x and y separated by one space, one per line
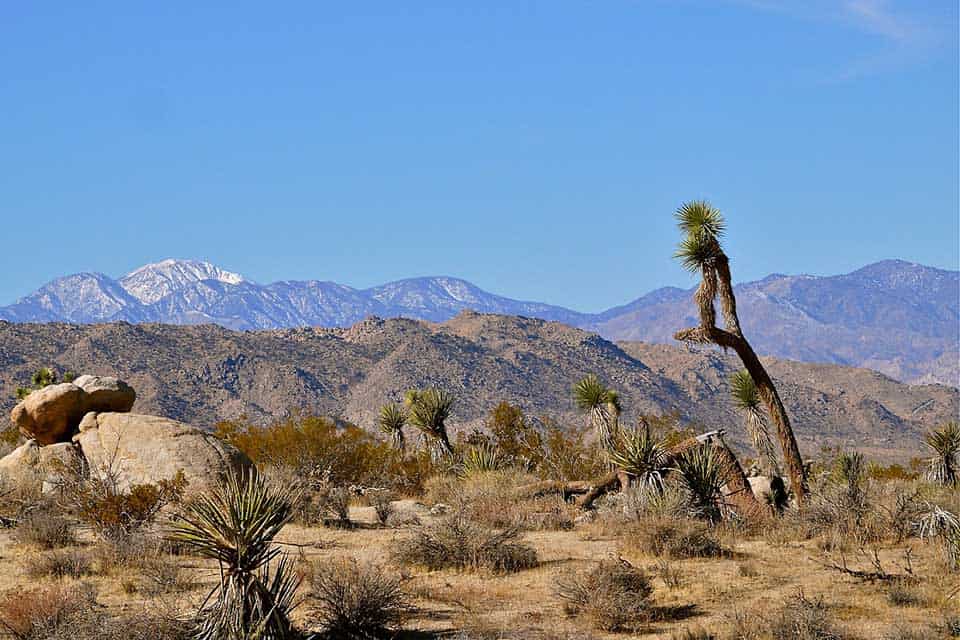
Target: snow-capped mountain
900 318
151 282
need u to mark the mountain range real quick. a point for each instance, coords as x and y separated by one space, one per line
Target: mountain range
206 373
896 317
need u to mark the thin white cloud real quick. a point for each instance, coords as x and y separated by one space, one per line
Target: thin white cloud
905 34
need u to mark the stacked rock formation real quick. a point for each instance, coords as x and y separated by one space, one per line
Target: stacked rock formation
87 425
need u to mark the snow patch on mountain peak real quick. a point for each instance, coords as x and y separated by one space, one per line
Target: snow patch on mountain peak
152 282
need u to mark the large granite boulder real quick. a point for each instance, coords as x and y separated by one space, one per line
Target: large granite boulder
49 415
105 393
142 449
43 466
52 414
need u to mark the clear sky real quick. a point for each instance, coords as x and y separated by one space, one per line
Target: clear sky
537 149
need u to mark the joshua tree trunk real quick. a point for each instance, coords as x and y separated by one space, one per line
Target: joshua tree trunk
768 394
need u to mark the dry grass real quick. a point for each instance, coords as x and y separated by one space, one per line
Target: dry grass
44 527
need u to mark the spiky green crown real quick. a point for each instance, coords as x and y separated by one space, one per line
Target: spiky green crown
391 418
945 440
702 225
699 217
589 393
744 390
430 408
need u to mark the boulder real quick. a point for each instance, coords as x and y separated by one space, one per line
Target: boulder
89 421
769 490
45 466
50 414
105 393
142 449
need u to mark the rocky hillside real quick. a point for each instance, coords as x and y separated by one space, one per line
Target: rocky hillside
898 318
202 374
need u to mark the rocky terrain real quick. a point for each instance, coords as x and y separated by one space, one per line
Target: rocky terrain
202 374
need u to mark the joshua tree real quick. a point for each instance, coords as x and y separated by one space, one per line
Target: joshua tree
603 407
701 251
235 525
747 400
641 456
944 464
391 420
43 378
429 410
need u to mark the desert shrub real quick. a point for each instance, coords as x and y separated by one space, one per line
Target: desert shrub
335 503
351 600
10 439
403 518
455 542
614 595
674 538
45 527
154 623
59 563
904 594
112 509
382 503
42 612
803 619
315 448
670 573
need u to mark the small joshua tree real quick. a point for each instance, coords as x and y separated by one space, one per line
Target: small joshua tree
391 420
235 525
603 407
641 456
42 378
429 411
747 400
944 465
700 251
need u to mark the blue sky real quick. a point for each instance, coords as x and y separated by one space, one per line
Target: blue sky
537 149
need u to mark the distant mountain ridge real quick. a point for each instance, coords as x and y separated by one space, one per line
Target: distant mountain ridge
900 318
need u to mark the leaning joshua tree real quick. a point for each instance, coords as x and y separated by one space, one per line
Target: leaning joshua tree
747 400
603 407
429 410
391 420
701 251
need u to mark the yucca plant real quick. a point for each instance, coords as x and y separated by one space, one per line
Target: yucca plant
936 523
429 411
747 401
480 459
944 464
642 456
701 251
391 420
701 476
235 524
603 407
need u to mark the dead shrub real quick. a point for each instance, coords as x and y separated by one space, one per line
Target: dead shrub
674 538
802 619
44 527
403 518
59 563
670 573
904 594
41 612
455 542
382 503
352 600
614 595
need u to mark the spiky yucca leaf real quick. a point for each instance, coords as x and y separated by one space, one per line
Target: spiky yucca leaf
697 251
429 411
480 459
235 524
391 420
747 400
936 523
701 474
699 217
944 464
641 455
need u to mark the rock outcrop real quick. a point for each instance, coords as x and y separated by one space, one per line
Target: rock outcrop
53 414
142 449
44 466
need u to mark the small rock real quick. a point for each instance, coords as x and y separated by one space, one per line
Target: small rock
89 421
439 509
